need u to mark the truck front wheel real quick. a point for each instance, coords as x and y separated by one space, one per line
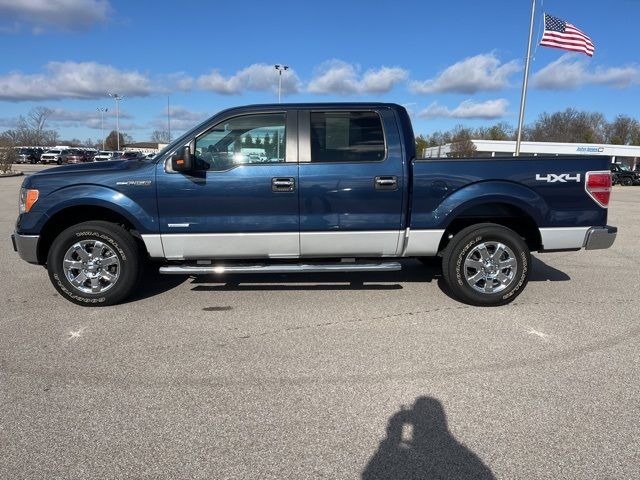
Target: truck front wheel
94 263
486 265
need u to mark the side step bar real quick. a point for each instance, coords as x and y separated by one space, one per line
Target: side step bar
285 268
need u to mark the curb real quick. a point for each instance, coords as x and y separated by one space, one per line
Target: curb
14 174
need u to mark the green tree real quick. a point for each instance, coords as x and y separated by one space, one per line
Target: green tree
421 144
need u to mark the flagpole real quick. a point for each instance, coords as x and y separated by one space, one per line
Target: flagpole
525 82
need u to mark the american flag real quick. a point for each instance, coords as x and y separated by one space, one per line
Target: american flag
563 35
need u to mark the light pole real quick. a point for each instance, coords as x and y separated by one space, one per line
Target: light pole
102 111
280 69
169 118
117 98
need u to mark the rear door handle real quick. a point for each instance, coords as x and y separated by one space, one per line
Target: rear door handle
283 184
389 182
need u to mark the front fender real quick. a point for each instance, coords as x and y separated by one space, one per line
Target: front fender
480 193
141 213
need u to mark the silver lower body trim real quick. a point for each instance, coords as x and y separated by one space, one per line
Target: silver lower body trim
563 238
376 243
298 268
185 246
423 243
26 246
153 243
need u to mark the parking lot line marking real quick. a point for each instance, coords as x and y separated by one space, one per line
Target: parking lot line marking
76 334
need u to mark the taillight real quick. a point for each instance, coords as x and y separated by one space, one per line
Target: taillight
598 186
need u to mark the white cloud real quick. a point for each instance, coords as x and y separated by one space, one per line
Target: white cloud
181 119
257 77
74 80
338 77
61 117
468 109
483 72
56 14
570 72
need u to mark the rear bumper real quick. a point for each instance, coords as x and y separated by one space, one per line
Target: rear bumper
600 237
26 246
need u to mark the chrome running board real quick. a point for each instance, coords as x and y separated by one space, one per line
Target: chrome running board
284 268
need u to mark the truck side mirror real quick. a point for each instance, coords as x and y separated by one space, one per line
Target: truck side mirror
182 160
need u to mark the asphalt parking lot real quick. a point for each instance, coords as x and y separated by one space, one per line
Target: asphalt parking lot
378 376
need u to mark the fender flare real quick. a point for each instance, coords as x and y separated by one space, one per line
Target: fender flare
99 196
480 193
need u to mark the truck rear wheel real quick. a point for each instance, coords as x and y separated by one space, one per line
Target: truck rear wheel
486 265
94 263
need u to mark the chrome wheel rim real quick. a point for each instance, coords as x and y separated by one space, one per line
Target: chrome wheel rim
490 267
91 266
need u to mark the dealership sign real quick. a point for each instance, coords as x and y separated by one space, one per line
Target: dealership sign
590 149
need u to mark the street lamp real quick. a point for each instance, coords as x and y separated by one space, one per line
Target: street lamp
102 111
280 69
117 98
169 118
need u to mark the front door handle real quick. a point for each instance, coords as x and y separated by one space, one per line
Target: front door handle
283 184
389 182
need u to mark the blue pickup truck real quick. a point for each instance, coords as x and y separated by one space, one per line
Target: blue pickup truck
308 188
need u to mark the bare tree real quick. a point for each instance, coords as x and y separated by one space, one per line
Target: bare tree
623 130
568 126
499 131
160 136
461 144
111 142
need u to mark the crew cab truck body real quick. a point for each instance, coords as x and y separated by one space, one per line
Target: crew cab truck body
338 188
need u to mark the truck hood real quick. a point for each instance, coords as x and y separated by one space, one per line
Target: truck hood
96 173
93 167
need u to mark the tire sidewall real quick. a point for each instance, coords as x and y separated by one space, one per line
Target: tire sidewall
115 238
457 256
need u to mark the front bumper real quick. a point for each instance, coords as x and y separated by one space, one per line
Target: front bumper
600 237
26 246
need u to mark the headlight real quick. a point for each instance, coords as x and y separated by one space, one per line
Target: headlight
28 197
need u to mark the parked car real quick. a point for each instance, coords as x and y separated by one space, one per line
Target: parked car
131 155
27 155
343 193
623 175
103 155
90 153
54 156
76 156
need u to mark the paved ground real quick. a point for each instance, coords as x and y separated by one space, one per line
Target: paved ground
338 376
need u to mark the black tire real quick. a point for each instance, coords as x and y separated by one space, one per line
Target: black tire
627 182
59 162
463 245
118 241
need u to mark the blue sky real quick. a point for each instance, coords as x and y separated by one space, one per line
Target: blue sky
454 62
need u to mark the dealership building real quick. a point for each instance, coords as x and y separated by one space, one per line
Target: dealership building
625 154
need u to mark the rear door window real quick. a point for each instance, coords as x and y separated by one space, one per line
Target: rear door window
355 136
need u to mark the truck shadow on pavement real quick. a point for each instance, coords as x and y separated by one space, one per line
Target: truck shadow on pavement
419 446
412 271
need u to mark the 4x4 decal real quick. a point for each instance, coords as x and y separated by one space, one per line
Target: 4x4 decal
561 177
